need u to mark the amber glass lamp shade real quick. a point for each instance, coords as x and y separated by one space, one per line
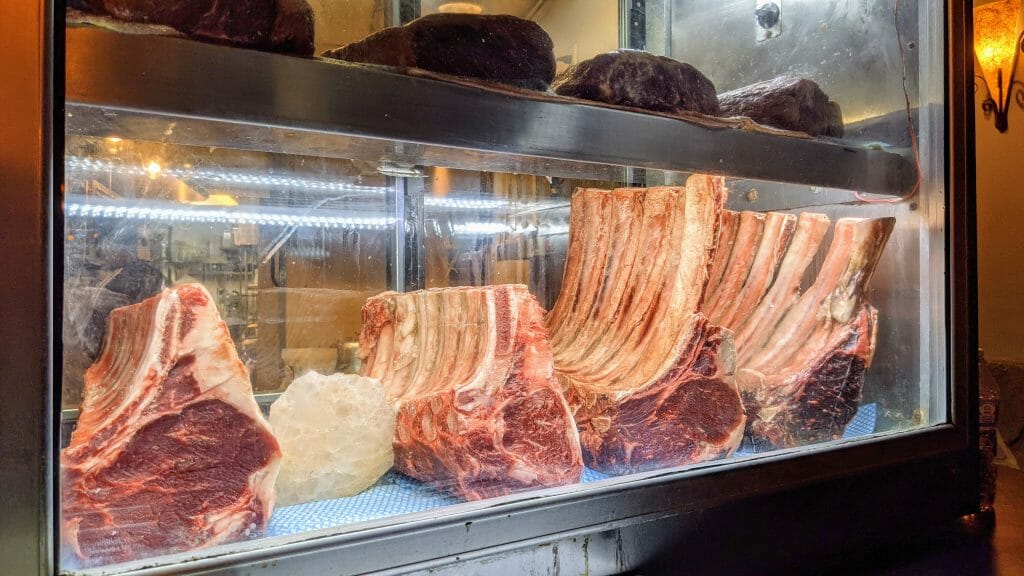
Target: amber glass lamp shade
997 40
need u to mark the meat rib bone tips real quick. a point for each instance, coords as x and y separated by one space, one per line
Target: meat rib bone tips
171 452
469 371
649 378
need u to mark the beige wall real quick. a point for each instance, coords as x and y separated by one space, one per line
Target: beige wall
339 22
1000 158
575 41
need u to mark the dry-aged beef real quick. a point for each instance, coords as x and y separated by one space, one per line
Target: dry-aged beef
640 80
479 412
786 102
800 357
804 384
276 25
758 244
752 330
500 48
648 378
171 452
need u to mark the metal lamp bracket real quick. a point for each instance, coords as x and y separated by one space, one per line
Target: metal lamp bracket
1000 104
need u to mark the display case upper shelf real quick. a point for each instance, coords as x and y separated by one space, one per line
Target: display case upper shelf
185 92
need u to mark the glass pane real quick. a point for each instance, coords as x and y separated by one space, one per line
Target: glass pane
881 68
288 247
342 22
270 330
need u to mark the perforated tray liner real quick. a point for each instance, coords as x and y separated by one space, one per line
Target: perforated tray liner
396 494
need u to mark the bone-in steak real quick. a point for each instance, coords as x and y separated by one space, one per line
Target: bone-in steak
648 378
171 452
800 357
469 370
804 383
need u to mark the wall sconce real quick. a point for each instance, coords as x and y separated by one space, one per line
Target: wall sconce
997 40
460 8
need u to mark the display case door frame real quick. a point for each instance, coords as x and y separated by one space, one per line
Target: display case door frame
28 471
929 473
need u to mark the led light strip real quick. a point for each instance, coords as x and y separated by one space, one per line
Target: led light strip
465 204
482 228
199 214
94 165
553 229
488 228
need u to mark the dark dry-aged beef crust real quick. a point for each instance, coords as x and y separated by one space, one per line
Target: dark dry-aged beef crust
502 48
828 396
641 80
786 102
274 25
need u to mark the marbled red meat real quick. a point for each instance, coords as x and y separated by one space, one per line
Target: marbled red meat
171 452
469 370
648 378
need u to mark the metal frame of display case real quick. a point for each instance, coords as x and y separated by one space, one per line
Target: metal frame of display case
28 471
798 505
116 85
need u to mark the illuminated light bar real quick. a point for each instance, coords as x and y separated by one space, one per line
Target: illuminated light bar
153 169
466 204
482 228
95 165
219 215
553 229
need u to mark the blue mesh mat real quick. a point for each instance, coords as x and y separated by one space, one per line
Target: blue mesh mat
863 422
397 494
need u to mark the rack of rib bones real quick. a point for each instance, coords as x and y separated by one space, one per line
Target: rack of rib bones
680 325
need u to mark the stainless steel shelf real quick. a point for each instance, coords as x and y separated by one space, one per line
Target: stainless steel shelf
184 92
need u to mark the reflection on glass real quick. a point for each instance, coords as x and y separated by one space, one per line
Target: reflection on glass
260 344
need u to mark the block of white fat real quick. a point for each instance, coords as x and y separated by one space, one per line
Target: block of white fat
335 434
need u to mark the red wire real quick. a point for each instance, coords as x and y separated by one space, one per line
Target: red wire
910 124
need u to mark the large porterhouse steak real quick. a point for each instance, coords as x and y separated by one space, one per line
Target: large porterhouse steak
648 378
469 370
171 452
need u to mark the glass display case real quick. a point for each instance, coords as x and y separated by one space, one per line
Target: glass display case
488 294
